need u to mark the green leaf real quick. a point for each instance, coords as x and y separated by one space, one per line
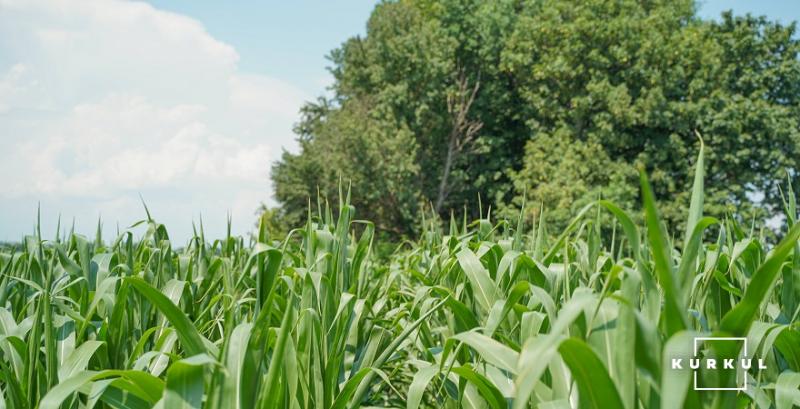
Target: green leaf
389 350
78 359
492 351
141 384
485 387
786 393
418 385
276 361
184 389
675 312
349 388
738 320
190 339
676 382
234 363
482 285
595 388
537 352
696 203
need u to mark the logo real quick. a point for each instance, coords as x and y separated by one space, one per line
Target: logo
697 363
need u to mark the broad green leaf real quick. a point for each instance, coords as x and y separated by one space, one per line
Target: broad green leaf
482 285
738 320
595 387
674 310
141 384
676 382
537 352
276 361
185 379
190 339
78 359
492 351
234 364
418 385
786 390
485 387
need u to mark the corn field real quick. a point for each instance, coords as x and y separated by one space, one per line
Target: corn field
483 315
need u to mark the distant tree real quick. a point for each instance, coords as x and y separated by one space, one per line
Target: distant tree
555 100
612 84
353 145
421 116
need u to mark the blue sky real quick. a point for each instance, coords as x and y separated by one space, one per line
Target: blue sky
185 103
285 39
784 11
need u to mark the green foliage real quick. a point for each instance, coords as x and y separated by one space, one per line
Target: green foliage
612 84
389 125
485 316
569 98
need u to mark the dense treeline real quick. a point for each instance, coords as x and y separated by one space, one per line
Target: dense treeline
550 101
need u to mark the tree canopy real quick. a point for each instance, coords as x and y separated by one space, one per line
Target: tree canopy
548 101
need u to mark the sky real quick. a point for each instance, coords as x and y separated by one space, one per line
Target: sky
181 104
184 104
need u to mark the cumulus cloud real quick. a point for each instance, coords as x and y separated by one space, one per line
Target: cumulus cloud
101 101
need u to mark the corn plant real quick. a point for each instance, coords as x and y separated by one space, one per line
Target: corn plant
483 315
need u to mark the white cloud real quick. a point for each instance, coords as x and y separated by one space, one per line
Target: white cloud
103 100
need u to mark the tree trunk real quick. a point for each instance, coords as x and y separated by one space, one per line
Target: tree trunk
448 162
462 132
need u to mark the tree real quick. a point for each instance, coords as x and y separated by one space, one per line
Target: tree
610 85
548 100
421 116
356 142
462 131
